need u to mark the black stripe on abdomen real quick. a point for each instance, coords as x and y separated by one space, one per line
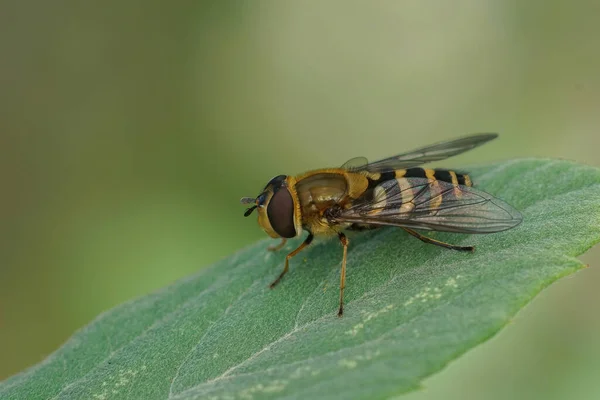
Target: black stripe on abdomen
415 173
384 176
443 175
373 183
446 176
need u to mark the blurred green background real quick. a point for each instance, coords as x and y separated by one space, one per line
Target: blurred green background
130 129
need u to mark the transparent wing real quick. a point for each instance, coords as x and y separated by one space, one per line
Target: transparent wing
355 164
432 205
424 155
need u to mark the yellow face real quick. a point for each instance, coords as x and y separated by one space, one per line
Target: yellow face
263 217
277 209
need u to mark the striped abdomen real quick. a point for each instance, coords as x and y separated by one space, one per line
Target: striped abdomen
444 175
404 189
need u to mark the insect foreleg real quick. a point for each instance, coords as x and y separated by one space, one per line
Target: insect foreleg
306 242
278 246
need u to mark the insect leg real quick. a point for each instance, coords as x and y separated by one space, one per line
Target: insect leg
344 241
306 242
426 239
279 246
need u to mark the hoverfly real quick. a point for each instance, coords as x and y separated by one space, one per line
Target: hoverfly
391 192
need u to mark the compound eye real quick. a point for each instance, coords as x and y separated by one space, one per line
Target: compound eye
281 213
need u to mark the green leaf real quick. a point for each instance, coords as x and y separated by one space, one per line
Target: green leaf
410 308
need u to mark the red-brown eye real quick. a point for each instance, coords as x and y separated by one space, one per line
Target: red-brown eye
281 213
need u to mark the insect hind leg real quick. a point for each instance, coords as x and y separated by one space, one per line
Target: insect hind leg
429 240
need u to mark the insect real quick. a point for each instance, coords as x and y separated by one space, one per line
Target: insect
394 191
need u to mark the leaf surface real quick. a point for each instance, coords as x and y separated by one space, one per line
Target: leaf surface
410 308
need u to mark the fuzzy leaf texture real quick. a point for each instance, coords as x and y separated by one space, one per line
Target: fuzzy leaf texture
411 308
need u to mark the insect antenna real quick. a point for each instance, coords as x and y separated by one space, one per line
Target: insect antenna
249 211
